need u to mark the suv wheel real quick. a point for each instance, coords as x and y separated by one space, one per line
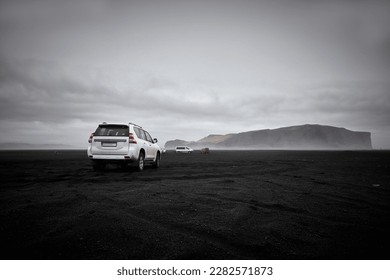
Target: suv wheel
157 162
141 162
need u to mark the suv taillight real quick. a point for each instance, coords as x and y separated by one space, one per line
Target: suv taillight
90 137
132 139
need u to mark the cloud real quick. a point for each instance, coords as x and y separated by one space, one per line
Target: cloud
46 92
42 92
187 69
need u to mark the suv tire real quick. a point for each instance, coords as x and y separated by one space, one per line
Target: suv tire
141 162
157 162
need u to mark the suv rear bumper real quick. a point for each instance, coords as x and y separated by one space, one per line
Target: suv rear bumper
113 157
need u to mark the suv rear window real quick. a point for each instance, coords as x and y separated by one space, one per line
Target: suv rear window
112 130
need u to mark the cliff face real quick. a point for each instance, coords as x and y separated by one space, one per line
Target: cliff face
294 137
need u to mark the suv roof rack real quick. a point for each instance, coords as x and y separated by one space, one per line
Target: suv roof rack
135 124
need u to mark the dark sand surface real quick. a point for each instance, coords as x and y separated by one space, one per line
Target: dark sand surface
225 205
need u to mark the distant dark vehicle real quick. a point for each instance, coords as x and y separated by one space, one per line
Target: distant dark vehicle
205 151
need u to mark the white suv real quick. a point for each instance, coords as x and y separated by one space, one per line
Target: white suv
183 149
122 144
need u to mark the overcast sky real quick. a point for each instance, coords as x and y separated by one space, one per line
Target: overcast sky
186 69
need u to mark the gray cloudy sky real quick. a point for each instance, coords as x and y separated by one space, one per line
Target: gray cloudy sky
185 69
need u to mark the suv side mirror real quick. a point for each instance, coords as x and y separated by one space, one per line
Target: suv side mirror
155 140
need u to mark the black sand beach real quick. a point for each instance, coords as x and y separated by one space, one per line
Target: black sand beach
224 205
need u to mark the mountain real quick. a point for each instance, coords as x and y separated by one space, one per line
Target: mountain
301 137
215 138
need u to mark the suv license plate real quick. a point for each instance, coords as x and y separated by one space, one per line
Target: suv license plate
109 144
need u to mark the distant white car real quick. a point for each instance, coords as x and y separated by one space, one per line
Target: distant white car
122 144
183 149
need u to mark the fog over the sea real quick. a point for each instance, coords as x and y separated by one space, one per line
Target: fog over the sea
185 69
